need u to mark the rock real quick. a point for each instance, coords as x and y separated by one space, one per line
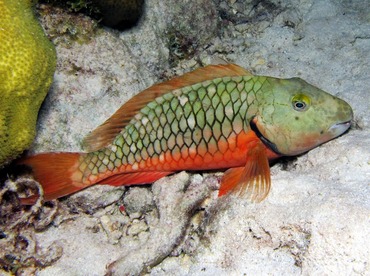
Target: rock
138 200
176 203
120 13
93 198
111 227
137 227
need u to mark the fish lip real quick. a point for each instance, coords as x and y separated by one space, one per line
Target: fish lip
264 140
340 127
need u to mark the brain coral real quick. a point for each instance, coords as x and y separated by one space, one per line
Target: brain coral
27 65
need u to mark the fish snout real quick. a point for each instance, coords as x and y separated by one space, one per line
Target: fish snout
345 117
339 128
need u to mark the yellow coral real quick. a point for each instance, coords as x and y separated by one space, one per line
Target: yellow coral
27 65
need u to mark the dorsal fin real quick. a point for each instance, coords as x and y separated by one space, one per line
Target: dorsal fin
103 135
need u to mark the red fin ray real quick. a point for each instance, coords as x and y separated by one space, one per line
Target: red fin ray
68 190
253 180
230 180
133 178
57 174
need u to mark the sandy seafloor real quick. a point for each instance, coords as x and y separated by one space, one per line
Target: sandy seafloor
316 220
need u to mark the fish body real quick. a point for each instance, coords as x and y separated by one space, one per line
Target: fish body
216 117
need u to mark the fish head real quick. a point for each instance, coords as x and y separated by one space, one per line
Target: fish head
296 116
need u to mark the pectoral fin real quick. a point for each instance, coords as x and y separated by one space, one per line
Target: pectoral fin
253 180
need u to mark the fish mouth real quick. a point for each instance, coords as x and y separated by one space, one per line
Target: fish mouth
264 140
339 128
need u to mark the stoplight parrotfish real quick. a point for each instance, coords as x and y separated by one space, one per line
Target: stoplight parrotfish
216 117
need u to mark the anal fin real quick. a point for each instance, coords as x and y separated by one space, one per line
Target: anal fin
252 180
133 178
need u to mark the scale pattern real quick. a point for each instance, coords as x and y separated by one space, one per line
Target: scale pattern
191 126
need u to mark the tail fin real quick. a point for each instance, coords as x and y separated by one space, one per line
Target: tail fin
57 173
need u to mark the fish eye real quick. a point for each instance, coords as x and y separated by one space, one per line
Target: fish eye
298 105
300 102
